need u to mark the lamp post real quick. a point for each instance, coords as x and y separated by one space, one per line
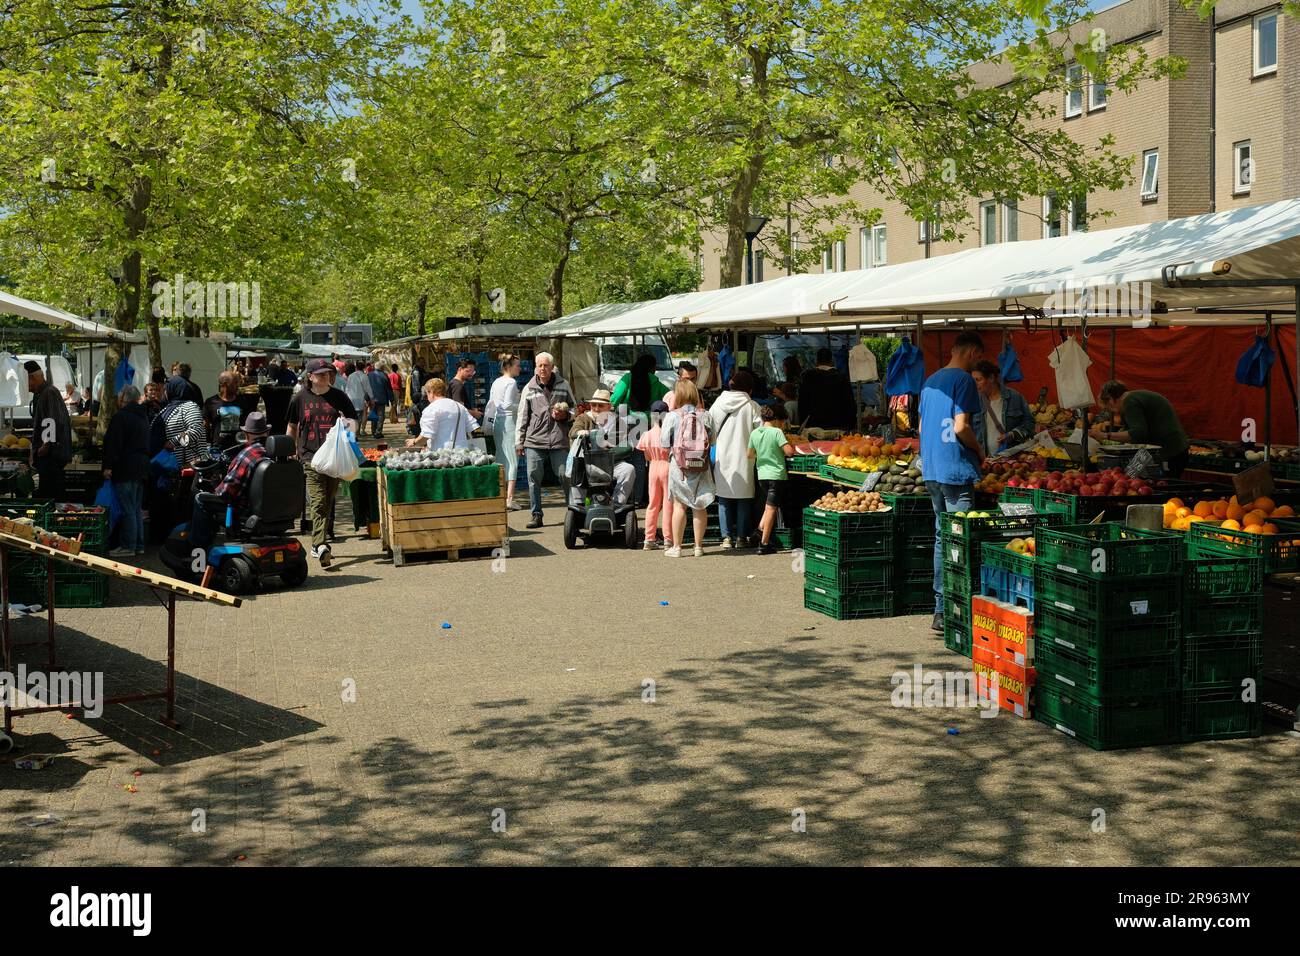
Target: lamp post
753 226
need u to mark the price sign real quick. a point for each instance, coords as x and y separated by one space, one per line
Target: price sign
1254 482
873 478
1016 507
1139 463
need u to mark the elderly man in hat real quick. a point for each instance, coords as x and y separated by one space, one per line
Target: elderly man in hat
606 429
51 433
312 413
234 487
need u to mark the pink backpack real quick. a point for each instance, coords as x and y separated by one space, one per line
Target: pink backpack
691 442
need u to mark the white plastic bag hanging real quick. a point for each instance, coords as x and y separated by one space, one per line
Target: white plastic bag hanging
335 457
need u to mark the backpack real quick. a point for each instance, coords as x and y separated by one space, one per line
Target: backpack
691 443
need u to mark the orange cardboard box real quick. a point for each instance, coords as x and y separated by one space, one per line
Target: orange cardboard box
985 614
1015 683
1015 635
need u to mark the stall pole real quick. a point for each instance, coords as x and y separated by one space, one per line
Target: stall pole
1296 294
49 611
170 717
1268 395
1112 353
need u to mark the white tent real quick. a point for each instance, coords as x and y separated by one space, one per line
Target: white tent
329 351
576 321
489 330
28 309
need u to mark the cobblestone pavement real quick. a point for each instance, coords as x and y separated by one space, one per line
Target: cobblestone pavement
530 711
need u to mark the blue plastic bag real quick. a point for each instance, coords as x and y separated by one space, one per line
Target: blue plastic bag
1009 364
905 372
1253 367
107 499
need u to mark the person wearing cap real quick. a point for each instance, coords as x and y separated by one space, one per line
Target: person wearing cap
600 423
312 413
651 446
234 487
126 465
51 433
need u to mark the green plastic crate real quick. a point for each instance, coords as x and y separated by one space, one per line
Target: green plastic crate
996 554
1106 640
915 595
847 604
959 582
91 525
1276 552
956 638
1023 496
1127 601
845 476
805 464
912 507
914 557
1114 725
997 526
1221 575
1109 550
832 573
787 539
957 610
1222 663
1101 681
1219 715
1223 617
843 535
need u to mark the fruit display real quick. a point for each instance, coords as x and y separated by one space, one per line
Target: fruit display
858 501
1229 451
867 453
418 459
1254 517
1048 416
372 454
972 514
1022 546
26 528
1111 483
13 441
902 480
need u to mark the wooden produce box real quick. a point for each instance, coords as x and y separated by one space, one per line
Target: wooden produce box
443 526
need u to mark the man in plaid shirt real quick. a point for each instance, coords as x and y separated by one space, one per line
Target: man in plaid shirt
234 487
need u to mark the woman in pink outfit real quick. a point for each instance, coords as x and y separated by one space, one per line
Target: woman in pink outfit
658 481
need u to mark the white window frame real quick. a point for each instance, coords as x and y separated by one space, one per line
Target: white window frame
927 228
882 247
1097 104
864 247
987 207
1010 220
1151 170
1241 187
759 258
827 262
1049 201
1070 227
1256 69
1073 87
841 255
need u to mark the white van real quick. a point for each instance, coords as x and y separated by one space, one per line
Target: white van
615 355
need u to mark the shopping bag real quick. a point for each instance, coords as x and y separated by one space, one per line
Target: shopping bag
106 498
1255 364
335 457
356 449
1009 364
905 371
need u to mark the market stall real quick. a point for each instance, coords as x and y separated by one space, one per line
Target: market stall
441 503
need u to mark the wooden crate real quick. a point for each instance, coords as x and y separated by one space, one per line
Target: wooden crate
443 526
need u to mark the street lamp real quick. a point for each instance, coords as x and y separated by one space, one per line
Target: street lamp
753 227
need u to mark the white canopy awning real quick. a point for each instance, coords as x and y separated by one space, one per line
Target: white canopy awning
575 322
489 330
1253 242
29 309
329 351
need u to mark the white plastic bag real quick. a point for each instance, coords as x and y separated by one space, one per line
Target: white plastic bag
335 457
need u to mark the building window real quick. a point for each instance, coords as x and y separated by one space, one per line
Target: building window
759 257
841 255
828 264
864 248
1096 95
1051 216
1265 43
1079 213
878 257
1243 165
1010 220
927 231
1073 90
1151 174
988 223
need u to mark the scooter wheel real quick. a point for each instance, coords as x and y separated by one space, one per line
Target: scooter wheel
294 575
235 576
571 521
631 537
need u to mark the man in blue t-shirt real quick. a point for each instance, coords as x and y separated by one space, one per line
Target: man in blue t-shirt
950 452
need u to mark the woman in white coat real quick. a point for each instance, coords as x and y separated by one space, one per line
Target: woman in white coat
733 416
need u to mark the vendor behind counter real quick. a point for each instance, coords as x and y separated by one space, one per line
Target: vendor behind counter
1146 418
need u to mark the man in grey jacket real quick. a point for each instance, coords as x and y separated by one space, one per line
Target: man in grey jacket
541 434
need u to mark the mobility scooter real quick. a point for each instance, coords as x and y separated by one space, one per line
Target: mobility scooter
596 516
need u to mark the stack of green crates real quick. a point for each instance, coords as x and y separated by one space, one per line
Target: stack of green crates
913 553
73 586
848 563
962 541
712 527
1223 619
1108 625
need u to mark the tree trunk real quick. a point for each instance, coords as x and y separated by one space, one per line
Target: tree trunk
420 305
742 193
476 297
126 309
555 285
151 327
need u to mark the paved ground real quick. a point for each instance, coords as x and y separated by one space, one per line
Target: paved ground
532 704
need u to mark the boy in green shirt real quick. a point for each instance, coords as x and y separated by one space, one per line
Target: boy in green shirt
768 447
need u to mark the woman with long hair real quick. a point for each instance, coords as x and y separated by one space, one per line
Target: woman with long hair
499 416
636 391
691 489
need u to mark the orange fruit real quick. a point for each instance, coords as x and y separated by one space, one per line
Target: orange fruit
1203 509
1235 512
1183 512
1253 517
1233 500
1264 504
1283 511
1254 528
1220 509
1170 507
1180 523
1176 502
1270 528
1231 525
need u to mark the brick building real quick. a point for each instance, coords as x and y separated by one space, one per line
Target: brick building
1225 134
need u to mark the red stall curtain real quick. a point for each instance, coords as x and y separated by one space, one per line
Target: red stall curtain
1194 367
